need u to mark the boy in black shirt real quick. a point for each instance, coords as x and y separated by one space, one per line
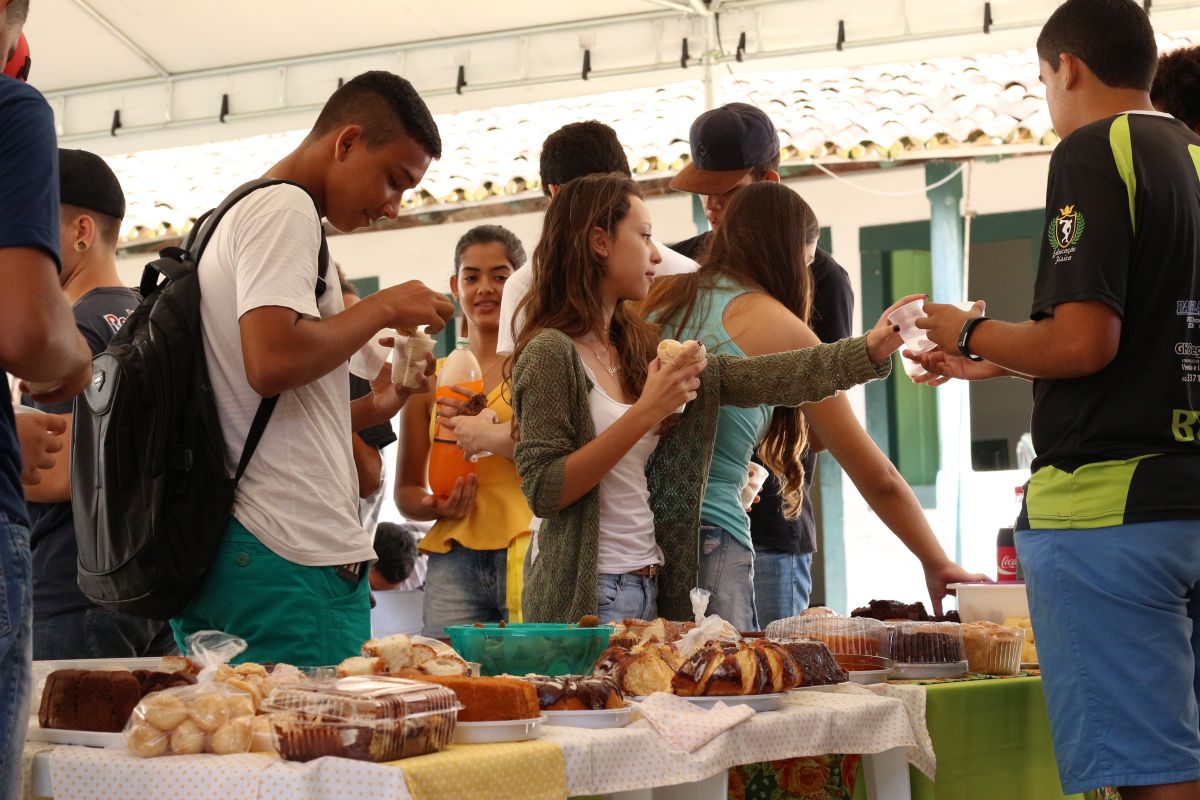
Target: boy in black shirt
1110 534
66 624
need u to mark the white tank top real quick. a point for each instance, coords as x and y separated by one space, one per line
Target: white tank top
626 521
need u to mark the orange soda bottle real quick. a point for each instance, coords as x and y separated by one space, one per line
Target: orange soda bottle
447 463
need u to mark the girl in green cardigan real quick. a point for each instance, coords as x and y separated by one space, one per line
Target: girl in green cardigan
605 460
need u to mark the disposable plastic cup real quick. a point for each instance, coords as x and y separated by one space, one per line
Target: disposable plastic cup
755 478
905 317
408 359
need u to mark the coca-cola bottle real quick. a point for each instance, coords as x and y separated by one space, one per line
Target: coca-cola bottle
1008 567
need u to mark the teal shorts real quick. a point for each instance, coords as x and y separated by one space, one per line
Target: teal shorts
286 612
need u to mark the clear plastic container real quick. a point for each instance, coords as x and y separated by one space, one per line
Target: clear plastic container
993 649
842 635
925 642
364 717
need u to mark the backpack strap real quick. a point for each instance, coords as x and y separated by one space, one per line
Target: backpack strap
204 228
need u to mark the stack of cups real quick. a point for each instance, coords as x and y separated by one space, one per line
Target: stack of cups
408 358
914 338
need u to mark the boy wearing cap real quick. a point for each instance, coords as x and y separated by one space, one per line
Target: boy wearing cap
39 344
289 575
66 624
734 146
1109 536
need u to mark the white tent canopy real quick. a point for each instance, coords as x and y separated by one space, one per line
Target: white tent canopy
126 75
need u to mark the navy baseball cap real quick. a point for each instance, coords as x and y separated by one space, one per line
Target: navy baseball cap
85 180
726 144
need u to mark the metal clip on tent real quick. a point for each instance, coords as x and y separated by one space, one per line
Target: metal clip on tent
841 40
741 47
987 17
116 122
224 108
683 56
587 63
462 79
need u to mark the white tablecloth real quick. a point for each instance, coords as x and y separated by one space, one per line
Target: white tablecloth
847 719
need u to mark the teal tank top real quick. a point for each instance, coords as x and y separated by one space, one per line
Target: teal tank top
738 429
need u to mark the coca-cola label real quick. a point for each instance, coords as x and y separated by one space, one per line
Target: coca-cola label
1006 563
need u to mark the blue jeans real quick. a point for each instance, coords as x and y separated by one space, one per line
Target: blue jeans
1116 612
627 595
16 650
100 633
727 570
463 587
782 584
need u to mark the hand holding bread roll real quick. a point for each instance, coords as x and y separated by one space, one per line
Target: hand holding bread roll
672 352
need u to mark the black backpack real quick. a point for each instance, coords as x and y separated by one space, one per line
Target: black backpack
149 491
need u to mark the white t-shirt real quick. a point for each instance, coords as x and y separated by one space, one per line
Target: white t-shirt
299 492
626 521
517 286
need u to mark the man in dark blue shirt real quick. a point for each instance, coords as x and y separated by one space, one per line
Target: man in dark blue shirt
66 624
40 345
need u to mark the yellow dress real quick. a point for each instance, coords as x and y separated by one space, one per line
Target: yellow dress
500 518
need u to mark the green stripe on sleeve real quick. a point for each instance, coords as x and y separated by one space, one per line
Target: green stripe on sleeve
1194 152
1122 148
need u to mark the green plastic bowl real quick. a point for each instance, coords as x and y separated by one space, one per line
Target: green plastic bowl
542 648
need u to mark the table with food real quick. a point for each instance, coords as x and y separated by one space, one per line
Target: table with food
640 708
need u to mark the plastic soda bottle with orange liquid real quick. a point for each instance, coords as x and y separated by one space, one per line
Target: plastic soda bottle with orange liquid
447 463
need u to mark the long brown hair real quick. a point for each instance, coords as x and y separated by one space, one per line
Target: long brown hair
759 245
567 275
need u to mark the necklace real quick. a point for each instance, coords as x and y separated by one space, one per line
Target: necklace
609 367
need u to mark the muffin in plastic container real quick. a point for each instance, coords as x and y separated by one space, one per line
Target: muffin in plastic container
927 649
369 718
993 649
842 635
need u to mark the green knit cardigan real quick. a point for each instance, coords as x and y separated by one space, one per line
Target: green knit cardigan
550 402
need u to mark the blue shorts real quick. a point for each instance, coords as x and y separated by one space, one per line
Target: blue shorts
1114 613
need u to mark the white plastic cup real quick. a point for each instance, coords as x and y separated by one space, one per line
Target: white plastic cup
408 359
756 476
905 317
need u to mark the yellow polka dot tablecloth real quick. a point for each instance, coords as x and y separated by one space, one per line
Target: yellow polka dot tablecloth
83 773
913 698
564 762
513 771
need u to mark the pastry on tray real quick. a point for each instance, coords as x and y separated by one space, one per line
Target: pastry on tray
576 693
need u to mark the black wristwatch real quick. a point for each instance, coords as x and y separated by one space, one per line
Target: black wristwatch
964 337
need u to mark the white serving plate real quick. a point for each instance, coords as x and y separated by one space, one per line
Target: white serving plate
921 672
505 730
600 718
759 702
37 733
824 687
869 676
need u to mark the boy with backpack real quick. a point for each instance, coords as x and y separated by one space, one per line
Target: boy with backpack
289 576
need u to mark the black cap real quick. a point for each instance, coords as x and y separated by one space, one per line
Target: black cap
726 144
84 180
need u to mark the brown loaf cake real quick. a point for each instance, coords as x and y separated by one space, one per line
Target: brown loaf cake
815 663
89 700
926 643
892 609
488 699
575 693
